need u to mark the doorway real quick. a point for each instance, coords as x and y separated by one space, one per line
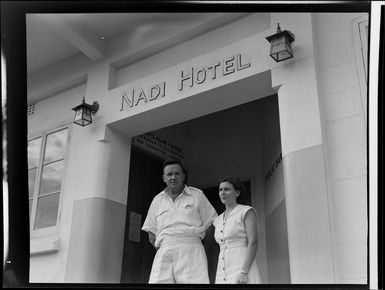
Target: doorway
240 141
145 181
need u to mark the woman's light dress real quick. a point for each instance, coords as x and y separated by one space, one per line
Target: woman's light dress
230 234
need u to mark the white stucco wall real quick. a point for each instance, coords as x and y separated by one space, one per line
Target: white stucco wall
49 114
309 237
345 132
226 35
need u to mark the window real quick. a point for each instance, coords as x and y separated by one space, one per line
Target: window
46 160
364 32
361 43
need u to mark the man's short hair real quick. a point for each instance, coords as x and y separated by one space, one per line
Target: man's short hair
172 161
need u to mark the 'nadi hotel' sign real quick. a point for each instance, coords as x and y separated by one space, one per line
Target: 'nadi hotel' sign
187 79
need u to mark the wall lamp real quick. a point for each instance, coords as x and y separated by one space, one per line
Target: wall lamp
280 44
83 113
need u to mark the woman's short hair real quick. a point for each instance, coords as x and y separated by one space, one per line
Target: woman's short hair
235 181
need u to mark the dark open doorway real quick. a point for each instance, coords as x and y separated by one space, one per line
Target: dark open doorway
145 181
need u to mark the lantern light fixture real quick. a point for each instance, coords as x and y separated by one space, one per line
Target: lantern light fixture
280 44
84 112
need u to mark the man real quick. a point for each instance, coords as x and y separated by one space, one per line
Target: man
176 224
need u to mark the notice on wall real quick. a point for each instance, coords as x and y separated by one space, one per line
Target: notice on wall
157 145
135 226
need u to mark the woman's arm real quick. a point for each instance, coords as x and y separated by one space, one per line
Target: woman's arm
252 245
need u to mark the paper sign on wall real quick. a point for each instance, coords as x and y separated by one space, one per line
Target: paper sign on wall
135 226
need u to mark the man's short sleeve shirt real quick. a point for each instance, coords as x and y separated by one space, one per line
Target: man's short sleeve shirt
189 215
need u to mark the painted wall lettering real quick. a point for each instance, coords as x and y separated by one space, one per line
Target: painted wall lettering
138 96
191 76
273 167
187 78
158 145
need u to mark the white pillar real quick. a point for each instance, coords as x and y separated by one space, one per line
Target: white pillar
309 233
100 184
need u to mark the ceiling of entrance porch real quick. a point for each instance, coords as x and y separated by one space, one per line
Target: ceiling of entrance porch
54 38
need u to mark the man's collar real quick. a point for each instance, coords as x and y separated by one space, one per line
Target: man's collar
185 190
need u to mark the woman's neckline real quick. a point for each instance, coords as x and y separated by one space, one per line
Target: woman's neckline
229 213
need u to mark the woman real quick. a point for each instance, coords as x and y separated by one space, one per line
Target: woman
236 234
